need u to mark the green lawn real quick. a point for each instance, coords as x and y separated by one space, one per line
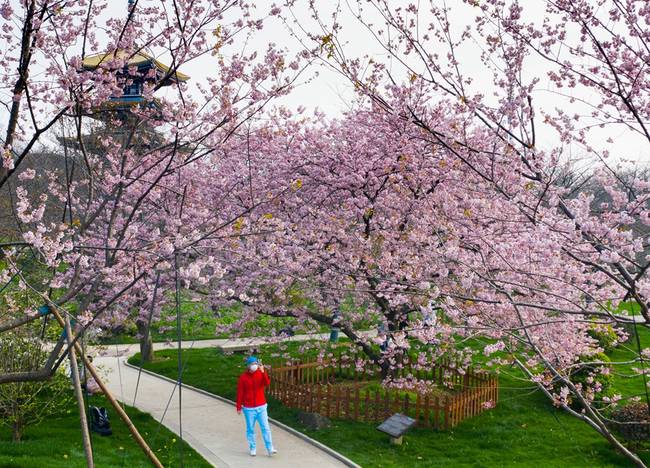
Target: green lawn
627 382
57 443
199 322
525 430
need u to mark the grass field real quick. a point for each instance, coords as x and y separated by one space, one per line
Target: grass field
57 443
525 430
199 322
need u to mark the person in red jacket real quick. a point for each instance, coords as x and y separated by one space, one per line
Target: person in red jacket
251 399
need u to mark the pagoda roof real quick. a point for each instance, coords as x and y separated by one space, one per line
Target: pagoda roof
137 59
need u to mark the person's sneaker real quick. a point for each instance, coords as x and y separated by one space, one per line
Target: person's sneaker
272 451
253 452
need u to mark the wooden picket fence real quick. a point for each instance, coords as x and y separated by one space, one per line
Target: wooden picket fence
336 390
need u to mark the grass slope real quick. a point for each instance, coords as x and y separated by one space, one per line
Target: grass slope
57 443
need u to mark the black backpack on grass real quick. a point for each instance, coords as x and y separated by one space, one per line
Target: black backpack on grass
99 421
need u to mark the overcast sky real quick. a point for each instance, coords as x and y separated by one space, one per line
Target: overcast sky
324 89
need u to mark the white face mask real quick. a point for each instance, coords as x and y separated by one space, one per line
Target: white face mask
253 367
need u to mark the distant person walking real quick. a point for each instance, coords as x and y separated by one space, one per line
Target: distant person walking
251 399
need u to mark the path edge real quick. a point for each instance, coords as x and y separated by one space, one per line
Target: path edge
340 457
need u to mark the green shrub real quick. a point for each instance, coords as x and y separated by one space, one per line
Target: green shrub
605 335
27 403
595 375
589 377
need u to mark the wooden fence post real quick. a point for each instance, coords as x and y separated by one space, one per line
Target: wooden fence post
357 400
348 402
319 398
338 402
454 413
425 411
282 392
377 415
367 409
328 400
386 404
446 412
436 411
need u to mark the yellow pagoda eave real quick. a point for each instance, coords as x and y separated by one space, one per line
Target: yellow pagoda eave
138 59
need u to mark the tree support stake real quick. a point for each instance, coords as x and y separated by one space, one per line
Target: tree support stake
114 403
74 371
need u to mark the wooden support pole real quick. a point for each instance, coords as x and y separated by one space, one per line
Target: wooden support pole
83 420
122 414
116 406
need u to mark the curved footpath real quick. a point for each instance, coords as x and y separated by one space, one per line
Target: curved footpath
210 423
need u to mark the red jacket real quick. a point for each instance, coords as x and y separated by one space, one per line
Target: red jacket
250 389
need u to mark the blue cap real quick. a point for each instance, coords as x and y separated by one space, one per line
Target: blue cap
250 360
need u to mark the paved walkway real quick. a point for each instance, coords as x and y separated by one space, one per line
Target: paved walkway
210 426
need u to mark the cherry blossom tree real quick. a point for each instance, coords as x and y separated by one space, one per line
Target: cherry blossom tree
526 260
387 221
139 188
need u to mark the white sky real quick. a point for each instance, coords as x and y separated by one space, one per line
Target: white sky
332 93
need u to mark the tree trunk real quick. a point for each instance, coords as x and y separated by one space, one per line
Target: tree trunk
386 371
146 344
17 431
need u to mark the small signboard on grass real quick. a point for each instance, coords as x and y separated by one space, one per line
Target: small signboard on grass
396 426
